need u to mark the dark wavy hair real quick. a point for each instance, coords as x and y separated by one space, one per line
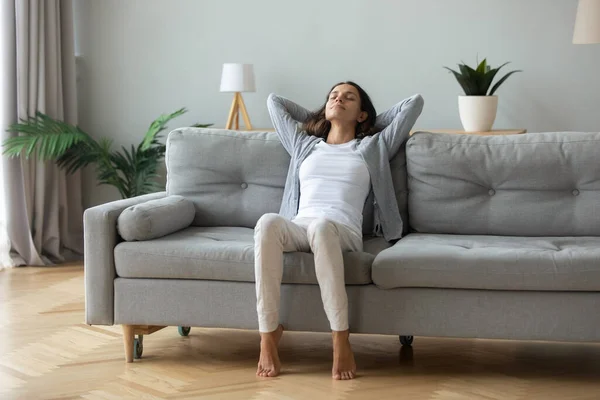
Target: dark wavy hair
318 125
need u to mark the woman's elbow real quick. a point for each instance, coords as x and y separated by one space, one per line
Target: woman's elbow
418 101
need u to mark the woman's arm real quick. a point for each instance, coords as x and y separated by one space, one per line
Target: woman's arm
285 115
395 124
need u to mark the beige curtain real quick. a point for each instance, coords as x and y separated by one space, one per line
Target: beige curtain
8 111
44 206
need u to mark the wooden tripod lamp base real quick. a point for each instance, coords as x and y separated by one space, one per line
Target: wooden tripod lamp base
237 106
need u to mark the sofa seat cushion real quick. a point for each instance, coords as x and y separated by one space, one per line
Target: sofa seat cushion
490 262
226 254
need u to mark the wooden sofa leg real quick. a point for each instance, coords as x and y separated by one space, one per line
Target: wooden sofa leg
128 342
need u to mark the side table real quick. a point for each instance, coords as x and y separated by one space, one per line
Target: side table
490 133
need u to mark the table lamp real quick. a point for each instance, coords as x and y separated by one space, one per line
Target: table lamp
238 78
587 22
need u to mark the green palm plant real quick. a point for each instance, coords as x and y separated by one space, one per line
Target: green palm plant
133 171
477 81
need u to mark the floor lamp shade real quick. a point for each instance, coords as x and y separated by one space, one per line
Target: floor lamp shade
587 22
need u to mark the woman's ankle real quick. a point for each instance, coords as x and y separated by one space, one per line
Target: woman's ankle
268 335
340 335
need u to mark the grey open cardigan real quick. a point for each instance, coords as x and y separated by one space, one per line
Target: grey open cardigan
394 127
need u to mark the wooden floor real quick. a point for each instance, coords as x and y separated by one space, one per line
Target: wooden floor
47 352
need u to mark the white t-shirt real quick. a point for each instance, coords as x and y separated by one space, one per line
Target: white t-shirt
334 184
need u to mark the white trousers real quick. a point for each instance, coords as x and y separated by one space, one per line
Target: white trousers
275 235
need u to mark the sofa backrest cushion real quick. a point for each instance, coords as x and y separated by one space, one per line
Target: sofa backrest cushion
534 184
233 178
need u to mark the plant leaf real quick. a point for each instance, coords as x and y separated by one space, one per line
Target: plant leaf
501 81
158 125
14 146
43 136
462 81
489 77
79 156
482 67
472 78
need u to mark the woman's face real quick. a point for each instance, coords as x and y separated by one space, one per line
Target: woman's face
344 105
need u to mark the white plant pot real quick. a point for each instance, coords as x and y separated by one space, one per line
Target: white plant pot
477 113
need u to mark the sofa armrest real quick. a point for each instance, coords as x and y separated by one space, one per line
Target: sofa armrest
100 239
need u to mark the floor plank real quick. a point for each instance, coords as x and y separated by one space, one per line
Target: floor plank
48 352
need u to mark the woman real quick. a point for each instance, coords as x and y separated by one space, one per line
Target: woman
337 157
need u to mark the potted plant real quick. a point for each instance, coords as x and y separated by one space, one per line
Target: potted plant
477 108
132 171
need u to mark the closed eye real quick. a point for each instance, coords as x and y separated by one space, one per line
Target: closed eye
349 96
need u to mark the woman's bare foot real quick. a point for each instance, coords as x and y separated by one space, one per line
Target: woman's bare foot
344 367
268 364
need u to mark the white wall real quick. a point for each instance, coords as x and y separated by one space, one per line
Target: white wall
141 58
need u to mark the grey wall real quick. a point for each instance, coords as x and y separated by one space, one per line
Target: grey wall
140 58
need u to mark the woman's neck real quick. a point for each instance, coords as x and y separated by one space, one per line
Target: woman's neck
340 133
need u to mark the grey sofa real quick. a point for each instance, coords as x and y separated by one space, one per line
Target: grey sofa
502 240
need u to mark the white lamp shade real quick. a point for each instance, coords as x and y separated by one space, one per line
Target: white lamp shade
587 22
238 78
